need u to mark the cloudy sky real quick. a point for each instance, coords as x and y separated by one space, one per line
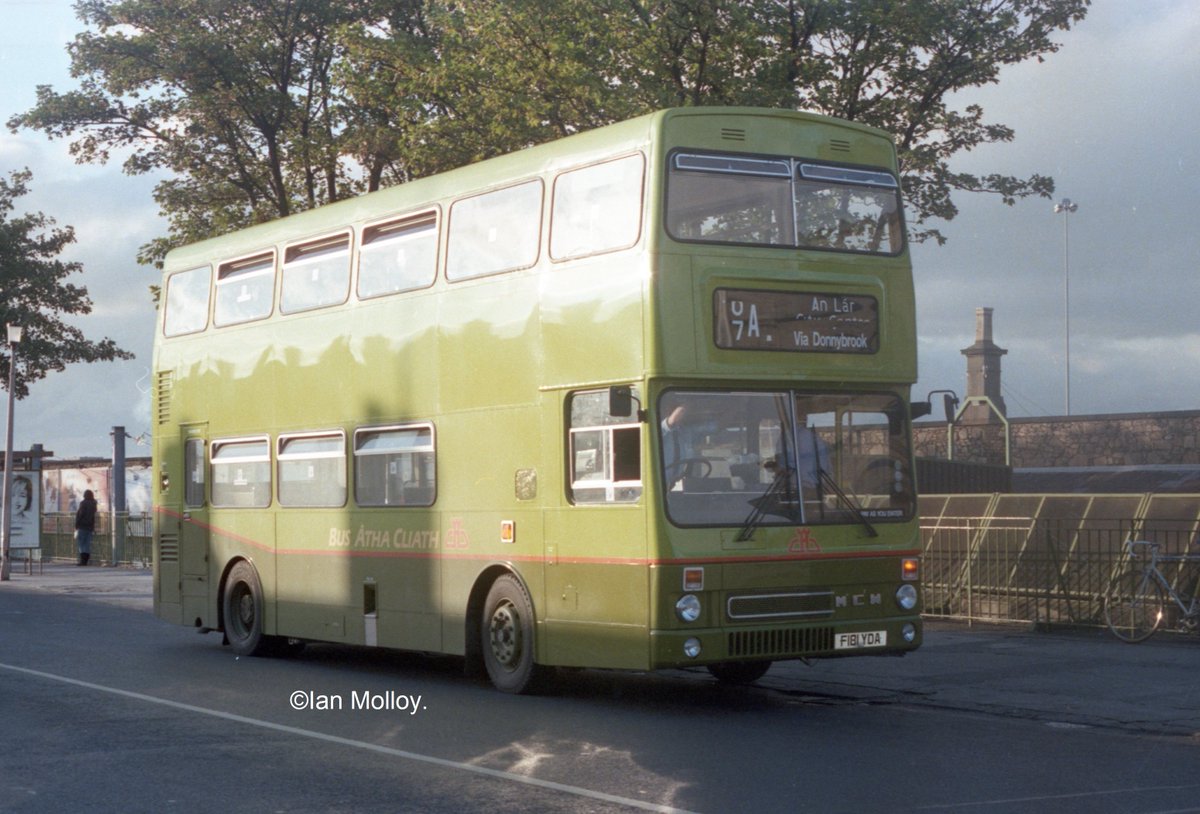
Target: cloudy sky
1112 117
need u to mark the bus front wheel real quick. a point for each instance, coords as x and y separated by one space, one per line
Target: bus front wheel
508 637
242 609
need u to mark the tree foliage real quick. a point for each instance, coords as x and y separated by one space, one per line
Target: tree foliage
497 75
36 295
231 99
258 108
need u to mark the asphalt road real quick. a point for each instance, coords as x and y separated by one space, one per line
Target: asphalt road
104 708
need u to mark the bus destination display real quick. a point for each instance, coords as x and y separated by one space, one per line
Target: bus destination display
748 319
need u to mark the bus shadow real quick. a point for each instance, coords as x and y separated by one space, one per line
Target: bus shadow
665 691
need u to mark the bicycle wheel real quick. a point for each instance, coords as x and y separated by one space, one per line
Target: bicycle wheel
1134 606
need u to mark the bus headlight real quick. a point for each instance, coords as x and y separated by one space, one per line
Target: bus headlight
909 632
688 608
906 597
691 648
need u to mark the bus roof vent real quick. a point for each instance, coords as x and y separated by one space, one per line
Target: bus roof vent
733 134
163 384
839 145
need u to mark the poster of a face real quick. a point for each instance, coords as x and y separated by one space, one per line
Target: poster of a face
26 530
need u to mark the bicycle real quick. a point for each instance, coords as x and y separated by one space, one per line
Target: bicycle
1135 605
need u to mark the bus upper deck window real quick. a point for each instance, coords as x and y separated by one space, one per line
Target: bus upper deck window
315 274
597 209
729 199
848 209
494 232
784 202
187 301
400 255
245 289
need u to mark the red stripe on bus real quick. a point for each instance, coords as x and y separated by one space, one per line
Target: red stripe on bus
534 558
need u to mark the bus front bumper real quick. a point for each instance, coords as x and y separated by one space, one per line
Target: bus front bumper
682 648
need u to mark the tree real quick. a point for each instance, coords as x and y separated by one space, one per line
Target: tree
230 98
258 108
502 74
34 294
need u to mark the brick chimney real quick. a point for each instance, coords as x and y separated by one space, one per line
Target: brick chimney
983 371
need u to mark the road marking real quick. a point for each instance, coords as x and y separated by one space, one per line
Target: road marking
370 747
1083 795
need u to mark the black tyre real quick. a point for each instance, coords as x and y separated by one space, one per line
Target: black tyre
739 672
508 637
242 609
1133 608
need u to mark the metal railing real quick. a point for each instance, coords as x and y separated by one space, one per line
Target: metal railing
58 539
1040 571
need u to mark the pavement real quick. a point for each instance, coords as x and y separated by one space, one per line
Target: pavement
126 586
1069 678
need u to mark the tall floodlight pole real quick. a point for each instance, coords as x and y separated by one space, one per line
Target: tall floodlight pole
1066 206
14 337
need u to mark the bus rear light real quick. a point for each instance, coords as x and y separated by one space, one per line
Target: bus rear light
693 579
910 568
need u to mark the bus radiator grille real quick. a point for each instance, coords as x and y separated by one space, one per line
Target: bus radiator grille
782 642
794 603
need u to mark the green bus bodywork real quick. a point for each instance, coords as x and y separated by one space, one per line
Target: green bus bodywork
439 469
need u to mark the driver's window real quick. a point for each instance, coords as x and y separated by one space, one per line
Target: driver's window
605 452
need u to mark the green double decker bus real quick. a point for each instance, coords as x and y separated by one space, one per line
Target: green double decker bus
634 399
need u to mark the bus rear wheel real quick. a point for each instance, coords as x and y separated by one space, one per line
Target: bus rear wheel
242 611
508 637
739 672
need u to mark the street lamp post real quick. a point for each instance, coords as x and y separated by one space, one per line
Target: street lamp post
1066 206
14 337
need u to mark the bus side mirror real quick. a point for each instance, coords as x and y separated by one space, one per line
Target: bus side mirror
620 402
920 409
950 402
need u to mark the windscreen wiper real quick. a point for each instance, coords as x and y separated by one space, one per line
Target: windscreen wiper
769 502
828 481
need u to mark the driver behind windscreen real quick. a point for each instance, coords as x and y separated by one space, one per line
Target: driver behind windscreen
683 432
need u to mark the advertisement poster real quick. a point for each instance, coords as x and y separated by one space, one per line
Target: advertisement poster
26 504
64 488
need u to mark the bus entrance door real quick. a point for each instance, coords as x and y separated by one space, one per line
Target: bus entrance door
193 530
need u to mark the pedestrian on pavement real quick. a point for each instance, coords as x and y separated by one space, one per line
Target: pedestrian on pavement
85 526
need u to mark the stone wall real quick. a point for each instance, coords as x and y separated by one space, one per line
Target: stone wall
1133 439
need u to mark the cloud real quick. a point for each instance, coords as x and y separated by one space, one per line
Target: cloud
1111 117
